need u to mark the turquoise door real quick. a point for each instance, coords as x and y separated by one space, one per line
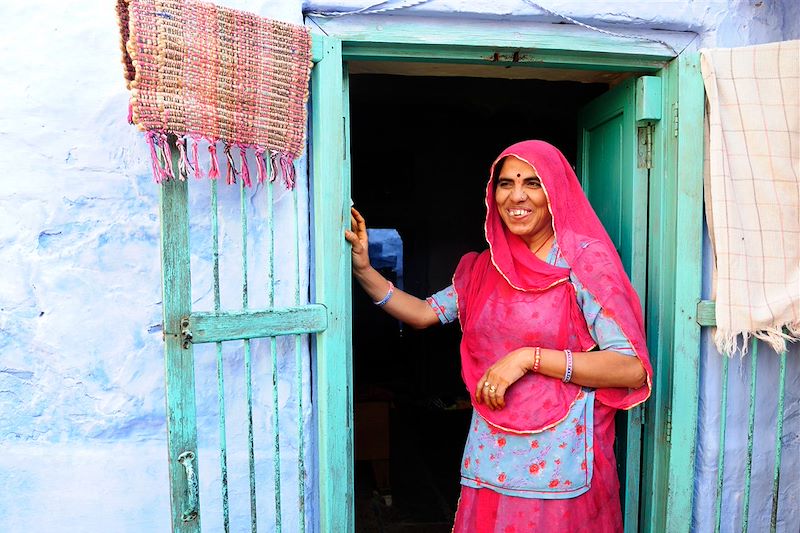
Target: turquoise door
614 175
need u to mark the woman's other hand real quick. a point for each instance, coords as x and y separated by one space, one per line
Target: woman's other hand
359 242
491 388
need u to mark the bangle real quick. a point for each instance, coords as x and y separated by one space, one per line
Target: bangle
381 303
568 371
537 358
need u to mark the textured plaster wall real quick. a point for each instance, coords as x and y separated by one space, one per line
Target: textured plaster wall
82 410
82 422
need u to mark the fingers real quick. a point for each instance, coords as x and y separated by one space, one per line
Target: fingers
358 222
352 238
500 396
491 390
482 388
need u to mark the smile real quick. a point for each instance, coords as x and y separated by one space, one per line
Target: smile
518 213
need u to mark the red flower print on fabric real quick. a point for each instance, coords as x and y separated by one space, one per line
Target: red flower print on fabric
534 469
562 445
554 483
534 444
502 477
579 430
466 462
583 465
501 441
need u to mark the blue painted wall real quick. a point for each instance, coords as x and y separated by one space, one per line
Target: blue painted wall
82 430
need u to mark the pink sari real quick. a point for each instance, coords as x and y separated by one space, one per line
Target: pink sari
508 298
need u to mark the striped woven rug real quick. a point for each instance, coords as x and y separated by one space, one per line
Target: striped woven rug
197 71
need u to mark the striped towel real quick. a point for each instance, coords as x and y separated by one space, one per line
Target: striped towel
753 191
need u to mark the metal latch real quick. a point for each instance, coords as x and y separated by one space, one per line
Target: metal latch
186 333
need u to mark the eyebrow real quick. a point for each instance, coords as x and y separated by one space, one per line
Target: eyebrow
527 178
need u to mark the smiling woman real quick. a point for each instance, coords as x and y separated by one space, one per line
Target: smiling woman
553 344
522 204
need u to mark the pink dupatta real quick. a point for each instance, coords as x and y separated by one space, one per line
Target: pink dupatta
508 298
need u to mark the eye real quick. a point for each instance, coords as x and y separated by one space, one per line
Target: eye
504 184
534 183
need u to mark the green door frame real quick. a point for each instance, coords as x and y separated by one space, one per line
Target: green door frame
675 220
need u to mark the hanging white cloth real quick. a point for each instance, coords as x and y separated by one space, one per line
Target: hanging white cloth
753 191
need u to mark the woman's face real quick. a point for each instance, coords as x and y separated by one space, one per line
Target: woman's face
521 201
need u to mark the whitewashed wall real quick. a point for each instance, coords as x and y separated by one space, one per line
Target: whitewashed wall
82 431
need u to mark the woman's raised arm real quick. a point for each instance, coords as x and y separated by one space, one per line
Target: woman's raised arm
401 305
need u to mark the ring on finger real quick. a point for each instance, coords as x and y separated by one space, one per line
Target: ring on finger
492 389
486 384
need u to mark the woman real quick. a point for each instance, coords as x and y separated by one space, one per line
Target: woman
553 344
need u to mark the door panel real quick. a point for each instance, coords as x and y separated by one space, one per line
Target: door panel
330 187
617 189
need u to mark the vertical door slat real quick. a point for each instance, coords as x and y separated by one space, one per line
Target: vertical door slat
298 361
273 349
223 442
178 355
750 433
248 366
776 476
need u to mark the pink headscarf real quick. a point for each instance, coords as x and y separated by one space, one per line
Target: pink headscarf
508 298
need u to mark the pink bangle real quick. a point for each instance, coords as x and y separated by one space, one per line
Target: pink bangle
381 303
537 358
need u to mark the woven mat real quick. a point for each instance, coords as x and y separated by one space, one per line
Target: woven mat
204 72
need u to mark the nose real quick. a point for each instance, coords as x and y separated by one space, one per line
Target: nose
519 194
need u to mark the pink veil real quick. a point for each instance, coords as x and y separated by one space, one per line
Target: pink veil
532 303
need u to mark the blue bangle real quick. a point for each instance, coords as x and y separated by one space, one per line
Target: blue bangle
386 298
568 371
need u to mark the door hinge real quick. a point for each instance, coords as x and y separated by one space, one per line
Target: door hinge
668 428
675 119
645 146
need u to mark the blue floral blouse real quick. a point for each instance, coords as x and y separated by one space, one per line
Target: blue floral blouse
557 462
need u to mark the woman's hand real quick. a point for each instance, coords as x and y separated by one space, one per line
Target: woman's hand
491 388
359 243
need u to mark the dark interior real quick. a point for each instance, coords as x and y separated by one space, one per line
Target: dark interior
421 148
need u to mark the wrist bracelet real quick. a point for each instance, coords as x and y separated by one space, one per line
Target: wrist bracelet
381 303
537 359
568 371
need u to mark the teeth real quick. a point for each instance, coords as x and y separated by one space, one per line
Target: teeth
517 212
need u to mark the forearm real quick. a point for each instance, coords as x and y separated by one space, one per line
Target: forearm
599 369
402 306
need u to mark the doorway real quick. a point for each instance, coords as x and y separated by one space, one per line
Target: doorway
421 147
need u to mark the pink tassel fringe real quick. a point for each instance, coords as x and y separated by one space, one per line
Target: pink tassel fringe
287 168
245 172
183 162
151 139
168 174
196 160
230 175
260 165
213 169
269 163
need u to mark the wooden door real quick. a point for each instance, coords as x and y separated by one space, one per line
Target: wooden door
614 176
